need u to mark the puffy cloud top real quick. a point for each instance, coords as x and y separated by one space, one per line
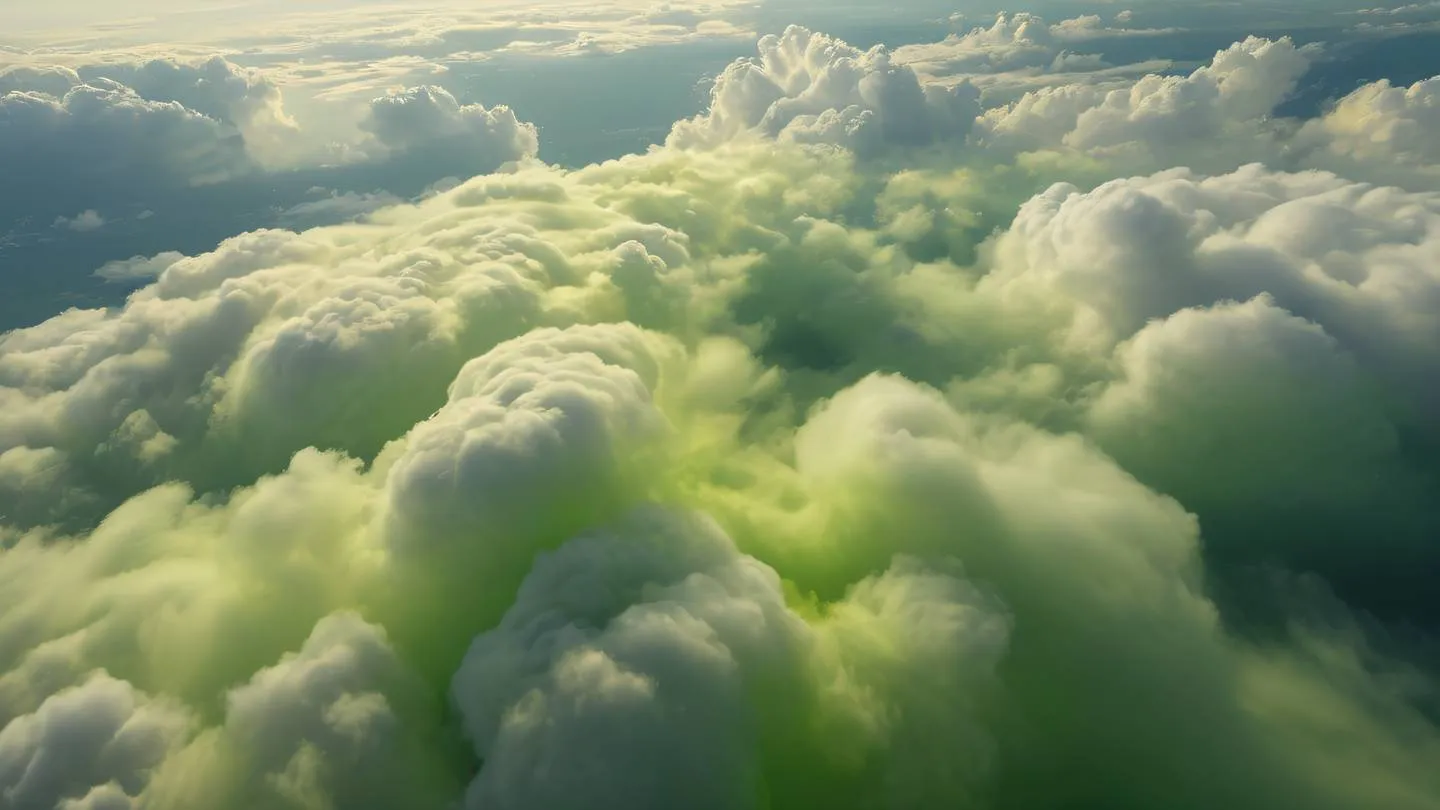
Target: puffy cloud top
1388 129
1160 121
244 101
121 134
811 88
428 119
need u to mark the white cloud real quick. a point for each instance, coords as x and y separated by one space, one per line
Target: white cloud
95 744
1349 256
245 101
1016 50
525 429
1387 132
107 132
1305 400
321 724
1213 118
429 121
138 268
1398 11
361 49
53 80
89 220
215 88
810 88
628 672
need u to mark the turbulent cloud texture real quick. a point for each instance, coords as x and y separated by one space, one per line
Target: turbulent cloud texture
856 448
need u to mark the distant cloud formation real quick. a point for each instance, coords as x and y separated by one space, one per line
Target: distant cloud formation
871 442
1386 128
1159 120
121 134
88 220
428 119
810 88
162 154
1017 46
138 268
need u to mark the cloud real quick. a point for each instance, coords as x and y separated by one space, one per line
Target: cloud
1321 331
663 679
208 148
1381 128
786 465
247 107
95 743
1016 48
351 34
1399 11
122 135
215 88
82 222
138 268
429 121
337 207
52 80
809 88
245 102
1160 121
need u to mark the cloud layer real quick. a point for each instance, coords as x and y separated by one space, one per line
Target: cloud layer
856 448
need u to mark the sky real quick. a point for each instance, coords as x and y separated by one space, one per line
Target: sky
719 404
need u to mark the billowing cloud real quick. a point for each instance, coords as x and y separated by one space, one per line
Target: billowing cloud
468 138
209 146
1161 121
138 268
1015 49
810 88
93 745
1383 130
831 454
244 102
120 134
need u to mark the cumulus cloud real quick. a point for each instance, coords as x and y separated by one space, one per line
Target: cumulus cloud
428 120
88 220
1016 49
120 134
1161 121
829 455
620 676
91 745
1381 129
809 88
244 102
244 110
138 268
110 140
208 150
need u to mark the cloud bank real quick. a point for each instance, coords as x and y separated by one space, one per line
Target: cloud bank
856 448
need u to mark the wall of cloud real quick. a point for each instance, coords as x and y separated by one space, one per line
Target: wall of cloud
859 447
